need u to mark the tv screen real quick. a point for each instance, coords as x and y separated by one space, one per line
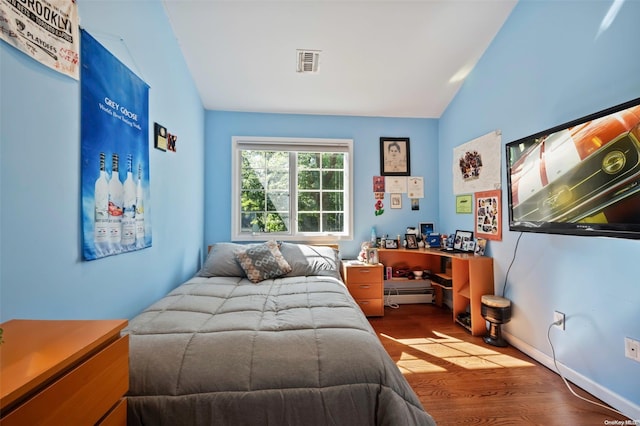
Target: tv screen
579 178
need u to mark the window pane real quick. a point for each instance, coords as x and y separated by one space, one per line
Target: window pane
252 201
278 160
333 161
252 222
253 172
277 222
309 222
278 201
332 222
332 179
309 179
254 159
308 160
332 201
308 201
264 199
277 179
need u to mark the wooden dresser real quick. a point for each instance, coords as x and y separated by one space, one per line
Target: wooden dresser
64 372
366 285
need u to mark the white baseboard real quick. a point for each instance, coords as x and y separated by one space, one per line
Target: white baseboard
621 404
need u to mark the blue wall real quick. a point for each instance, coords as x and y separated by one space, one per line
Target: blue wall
548 66
365 132
41 271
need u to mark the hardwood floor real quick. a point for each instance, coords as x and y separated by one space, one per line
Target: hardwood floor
462 380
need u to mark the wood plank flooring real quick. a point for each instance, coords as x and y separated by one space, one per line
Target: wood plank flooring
462 380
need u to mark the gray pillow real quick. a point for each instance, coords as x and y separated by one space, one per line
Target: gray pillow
262 262
221 261
308 260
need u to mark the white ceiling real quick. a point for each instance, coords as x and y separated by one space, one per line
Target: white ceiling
379 58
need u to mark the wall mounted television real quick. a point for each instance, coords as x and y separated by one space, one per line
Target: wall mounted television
579 178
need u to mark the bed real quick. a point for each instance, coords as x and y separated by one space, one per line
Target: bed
264 334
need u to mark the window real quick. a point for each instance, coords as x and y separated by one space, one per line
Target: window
291 189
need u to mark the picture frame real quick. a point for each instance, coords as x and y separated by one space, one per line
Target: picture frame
160 137
372 256
390 244
488 214
469 245
396 201
464 204
462 239
395 158
412 241
481 245
434 240
171 142
426 228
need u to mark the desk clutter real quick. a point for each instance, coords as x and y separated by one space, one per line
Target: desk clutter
424 237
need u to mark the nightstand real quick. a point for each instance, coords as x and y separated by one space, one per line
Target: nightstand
64 372
366 285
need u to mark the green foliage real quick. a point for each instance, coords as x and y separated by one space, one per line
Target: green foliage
265 194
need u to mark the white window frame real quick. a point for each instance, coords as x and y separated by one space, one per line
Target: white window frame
240 143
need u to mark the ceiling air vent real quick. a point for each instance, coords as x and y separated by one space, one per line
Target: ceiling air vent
308 61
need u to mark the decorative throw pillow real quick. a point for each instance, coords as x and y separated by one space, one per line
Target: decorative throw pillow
263 262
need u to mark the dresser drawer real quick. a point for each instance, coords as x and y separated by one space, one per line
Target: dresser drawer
371 307
367 290
117 416
363 274
81 396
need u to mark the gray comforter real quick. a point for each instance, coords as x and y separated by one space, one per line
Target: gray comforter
286 351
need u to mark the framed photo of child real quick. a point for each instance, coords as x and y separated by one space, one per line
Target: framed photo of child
394 157
372 256
412 241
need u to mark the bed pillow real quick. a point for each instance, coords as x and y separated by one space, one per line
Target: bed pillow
309 260
262 262
221 261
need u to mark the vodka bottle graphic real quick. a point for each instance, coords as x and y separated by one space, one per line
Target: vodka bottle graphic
129 207
139 210
115 203
101 198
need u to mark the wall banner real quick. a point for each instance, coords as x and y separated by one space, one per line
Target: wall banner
476 164
114 135
46 30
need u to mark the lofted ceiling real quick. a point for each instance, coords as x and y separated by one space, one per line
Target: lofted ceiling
377 58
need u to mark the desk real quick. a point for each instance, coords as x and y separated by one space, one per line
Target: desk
469 277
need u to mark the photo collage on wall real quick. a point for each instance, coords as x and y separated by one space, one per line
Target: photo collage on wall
488 215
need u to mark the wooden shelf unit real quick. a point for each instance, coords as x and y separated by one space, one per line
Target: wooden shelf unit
57 372
470 276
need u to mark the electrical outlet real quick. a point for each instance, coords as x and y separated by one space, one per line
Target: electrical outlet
558 319
632 349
